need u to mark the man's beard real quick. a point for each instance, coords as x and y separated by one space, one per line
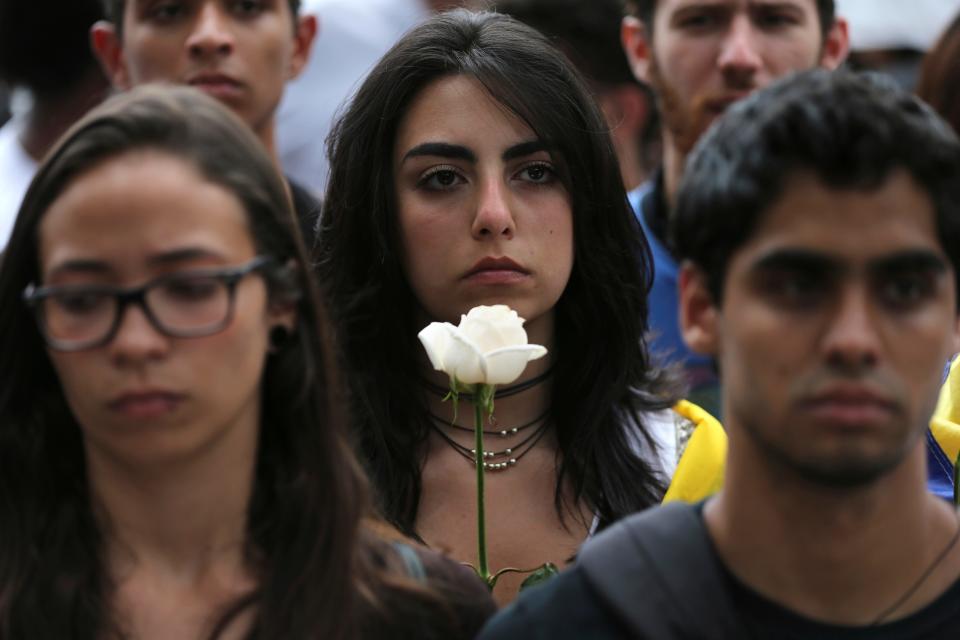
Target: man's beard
839 472
841 467
686 122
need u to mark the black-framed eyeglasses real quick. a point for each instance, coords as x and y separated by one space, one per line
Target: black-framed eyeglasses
185 304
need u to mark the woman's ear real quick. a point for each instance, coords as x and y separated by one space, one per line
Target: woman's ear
285 285
699 313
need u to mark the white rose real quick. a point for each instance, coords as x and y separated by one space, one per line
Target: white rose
488 347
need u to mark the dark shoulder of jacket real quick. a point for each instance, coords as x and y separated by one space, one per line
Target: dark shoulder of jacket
563 608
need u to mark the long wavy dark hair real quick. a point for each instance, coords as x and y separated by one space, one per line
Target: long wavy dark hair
319 573
603 377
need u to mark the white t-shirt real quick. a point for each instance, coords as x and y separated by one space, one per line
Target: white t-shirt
665 430
662 427
16 172
353 35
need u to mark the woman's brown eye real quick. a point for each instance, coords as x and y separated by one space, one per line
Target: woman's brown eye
439 180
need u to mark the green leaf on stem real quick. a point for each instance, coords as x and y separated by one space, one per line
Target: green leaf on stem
454 395
541 575
483 396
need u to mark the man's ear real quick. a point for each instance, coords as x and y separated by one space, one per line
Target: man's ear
836 45
638 47
699 314
627 107
303 37
108 47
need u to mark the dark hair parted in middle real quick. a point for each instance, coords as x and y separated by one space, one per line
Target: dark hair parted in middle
602 377
849 130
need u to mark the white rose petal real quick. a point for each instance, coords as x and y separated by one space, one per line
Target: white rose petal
493 327
464 361
488 347
505 365
435 338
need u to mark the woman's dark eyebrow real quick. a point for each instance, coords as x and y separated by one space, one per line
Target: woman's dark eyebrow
182 255
524 149
96 267
79 266
459 152
442 150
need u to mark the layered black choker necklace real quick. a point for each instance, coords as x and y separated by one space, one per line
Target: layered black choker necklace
495 460
502 392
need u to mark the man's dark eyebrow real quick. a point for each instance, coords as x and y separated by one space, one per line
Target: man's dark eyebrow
774 5
916 260
711 8
442 150
796 260
524 149
815 262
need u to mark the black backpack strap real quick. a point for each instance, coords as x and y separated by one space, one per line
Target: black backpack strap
656 571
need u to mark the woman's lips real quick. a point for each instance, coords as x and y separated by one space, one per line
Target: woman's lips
489 271
146 404
497 276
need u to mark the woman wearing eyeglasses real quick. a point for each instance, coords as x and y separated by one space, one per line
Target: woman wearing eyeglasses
172 463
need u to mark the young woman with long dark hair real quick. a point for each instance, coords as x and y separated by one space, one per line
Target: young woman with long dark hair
472 167
172 454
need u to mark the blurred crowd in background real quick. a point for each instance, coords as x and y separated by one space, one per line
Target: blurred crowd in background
48 75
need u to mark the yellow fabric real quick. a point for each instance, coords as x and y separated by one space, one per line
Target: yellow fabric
699 472
945 424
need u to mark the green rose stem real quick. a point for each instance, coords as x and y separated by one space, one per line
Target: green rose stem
483 403
482 568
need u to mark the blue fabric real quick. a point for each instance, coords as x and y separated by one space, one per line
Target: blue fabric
665 340
939 470
939 466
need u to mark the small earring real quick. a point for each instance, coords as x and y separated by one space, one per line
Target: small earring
278 337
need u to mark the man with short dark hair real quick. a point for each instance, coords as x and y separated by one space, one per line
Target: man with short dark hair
699 57
241 52
819 224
